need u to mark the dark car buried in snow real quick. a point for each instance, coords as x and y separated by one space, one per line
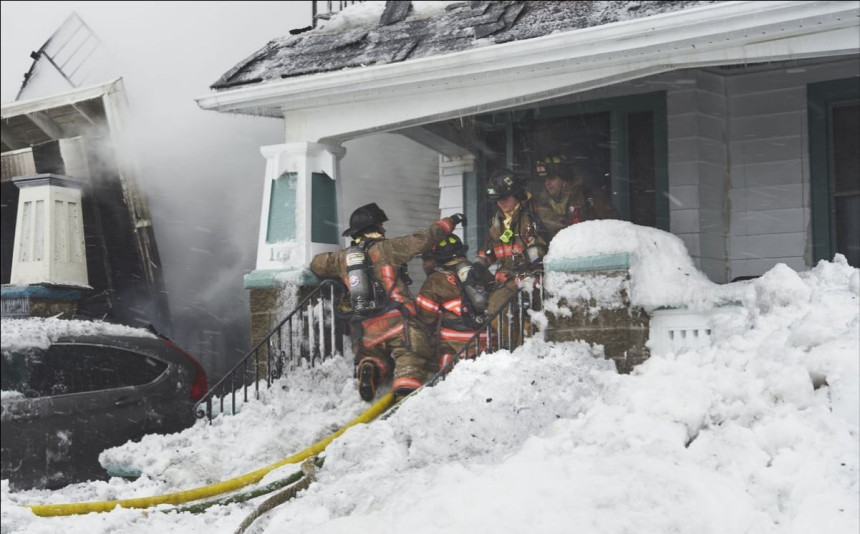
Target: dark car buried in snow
69 396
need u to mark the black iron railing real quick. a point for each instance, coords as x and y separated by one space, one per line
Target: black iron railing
324 10
506 328
309 334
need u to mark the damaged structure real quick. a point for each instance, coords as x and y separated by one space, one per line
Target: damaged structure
728 124
77 239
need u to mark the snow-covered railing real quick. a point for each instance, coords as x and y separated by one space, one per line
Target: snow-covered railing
310 333
506 329
324 10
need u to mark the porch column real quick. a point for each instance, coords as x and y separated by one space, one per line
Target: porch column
49 264
298 219
299 216
49 233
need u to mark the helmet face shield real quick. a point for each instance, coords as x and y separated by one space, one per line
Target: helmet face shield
493 193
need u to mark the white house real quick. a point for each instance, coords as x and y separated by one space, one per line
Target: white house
734 125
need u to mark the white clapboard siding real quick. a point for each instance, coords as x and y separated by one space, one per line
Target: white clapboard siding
769 165
696 119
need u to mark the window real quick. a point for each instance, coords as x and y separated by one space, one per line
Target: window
834 135
845 133
616 144
66 369
584 140
14 371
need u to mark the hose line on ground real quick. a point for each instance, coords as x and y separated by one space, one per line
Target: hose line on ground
246 495
181 497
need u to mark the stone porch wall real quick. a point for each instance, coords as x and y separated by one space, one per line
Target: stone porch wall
622 331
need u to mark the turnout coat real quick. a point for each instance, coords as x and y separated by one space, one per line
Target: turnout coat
387 338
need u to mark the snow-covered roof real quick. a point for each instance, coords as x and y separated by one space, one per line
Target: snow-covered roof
372 34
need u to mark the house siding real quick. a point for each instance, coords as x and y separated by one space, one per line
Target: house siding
769 165
738 158
698 166
451 171
401 176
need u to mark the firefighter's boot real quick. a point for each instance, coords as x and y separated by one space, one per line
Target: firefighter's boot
367 378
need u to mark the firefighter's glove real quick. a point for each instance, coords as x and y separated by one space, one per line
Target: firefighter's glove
458 218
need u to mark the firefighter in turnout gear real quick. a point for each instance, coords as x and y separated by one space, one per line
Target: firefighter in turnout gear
452 302
388 342
516 238
566 200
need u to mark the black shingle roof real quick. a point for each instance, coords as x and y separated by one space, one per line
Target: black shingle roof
461 26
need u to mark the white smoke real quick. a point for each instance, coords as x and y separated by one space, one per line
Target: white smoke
201 171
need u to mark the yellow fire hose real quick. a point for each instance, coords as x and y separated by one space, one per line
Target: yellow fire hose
48 510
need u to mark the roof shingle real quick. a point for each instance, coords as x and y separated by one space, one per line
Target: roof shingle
407 35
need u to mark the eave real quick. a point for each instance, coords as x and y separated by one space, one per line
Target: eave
715 34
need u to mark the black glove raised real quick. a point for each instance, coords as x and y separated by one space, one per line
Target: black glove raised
458 218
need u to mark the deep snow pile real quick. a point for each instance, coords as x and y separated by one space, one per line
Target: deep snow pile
757 432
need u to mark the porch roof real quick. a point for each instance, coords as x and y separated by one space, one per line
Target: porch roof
64 115
366 35
333 106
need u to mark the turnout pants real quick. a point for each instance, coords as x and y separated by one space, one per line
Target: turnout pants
404 362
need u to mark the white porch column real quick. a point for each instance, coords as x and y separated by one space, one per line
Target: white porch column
49 233
299 215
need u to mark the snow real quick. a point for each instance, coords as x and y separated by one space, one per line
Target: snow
41 332
758 432
367 14
662 274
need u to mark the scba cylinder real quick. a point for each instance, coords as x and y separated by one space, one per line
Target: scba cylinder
477 297
361 293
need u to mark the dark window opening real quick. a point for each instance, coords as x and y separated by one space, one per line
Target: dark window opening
834 163
642 170
583 141
845 136
8 216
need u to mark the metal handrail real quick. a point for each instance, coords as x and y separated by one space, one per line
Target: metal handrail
316 14
297 333
498 335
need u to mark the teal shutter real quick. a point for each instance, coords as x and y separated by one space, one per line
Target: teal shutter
324 222
282 209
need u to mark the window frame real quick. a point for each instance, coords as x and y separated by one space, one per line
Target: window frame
820 98
619 108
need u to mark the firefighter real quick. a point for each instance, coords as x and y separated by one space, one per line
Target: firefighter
452 302
516 238
566 200
388 343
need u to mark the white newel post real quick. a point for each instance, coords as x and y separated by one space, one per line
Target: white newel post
299 210
49 232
